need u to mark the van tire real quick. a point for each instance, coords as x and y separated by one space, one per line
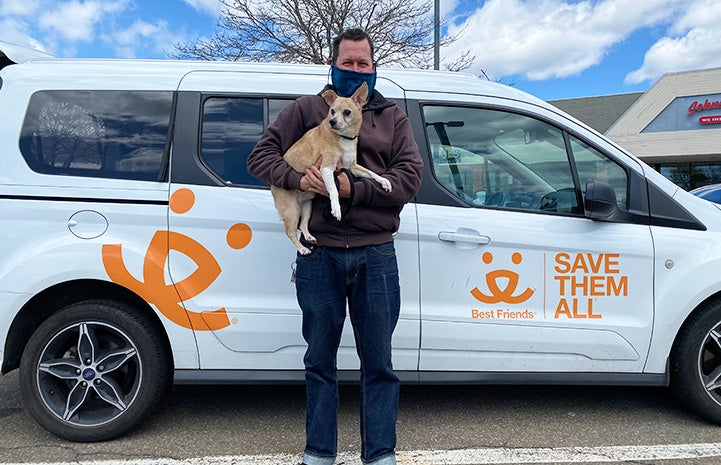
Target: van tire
99 397
696 361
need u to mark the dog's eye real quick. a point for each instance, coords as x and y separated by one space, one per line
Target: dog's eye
332 111
346 112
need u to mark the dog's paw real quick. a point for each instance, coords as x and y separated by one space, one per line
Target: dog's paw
303 250
309 237
336 213
335 210
386 184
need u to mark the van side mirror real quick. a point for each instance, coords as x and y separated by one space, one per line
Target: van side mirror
600 200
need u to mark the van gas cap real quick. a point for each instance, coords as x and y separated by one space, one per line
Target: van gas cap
88 224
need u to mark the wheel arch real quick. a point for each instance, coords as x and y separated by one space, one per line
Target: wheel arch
58 296
694 360
710 300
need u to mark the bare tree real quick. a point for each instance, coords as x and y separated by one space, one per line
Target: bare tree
72 135
301 31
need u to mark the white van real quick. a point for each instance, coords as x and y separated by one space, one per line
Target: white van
137 251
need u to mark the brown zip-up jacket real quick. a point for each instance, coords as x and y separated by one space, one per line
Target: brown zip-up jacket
385 145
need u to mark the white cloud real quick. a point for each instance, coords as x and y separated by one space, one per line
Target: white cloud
76 21
446 7
16 32
99 27
694 43
209 7
699 49
141 35
700 13
542 39
15 22
18 7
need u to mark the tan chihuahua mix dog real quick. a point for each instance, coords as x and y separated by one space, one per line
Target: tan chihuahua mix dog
334 139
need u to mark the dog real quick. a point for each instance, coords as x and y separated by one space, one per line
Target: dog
334 139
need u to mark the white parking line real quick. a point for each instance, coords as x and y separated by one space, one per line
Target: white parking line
458 457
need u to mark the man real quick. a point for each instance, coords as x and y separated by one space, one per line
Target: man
354 259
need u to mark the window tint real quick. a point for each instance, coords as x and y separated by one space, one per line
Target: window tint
591 164
110 134
496 158
231 128
275 106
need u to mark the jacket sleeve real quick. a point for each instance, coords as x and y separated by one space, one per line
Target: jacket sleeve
403 170
266 161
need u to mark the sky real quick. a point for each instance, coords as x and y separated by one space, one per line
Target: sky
554 49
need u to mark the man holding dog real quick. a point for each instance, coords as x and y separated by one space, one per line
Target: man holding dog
354 259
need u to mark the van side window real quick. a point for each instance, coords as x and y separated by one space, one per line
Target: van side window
500 159
591 164
231 128
274 108
108 134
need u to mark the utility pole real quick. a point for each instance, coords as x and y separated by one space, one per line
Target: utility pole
436 33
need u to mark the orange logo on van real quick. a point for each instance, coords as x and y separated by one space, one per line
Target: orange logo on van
492 281
166 297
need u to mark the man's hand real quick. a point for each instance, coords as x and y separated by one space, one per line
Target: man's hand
312 181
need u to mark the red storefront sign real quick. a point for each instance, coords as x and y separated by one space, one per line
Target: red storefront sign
695 107
710 119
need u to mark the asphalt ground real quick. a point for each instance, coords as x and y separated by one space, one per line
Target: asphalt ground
258 425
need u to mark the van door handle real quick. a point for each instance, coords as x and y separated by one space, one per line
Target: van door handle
464 235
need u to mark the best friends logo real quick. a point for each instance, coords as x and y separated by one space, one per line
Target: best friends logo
505 295
502 285
576 283
169 297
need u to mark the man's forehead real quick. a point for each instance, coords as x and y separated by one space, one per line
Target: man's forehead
354 47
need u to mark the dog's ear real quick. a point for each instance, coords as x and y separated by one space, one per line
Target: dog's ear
329 96
360 96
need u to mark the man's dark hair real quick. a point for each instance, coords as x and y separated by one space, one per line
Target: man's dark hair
351 34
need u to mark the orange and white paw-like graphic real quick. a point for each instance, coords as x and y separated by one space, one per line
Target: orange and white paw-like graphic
168 297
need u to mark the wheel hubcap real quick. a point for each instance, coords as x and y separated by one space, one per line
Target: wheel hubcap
89 374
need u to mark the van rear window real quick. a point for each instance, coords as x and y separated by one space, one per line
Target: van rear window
108 134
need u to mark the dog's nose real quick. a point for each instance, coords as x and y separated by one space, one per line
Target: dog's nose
333 122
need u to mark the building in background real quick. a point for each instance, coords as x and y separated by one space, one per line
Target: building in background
675 126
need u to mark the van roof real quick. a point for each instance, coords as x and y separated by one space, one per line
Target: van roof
172 71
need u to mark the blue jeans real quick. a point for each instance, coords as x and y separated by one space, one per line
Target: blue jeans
366 278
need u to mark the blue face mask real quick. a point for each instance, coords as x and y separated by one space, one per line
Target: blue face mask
347 81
